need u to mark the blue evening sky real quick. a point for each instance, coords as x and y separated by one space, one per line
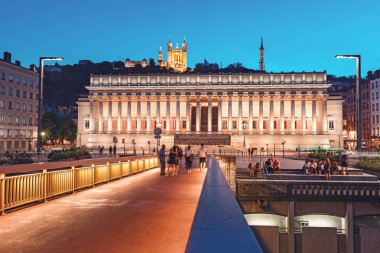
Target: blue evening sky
299 35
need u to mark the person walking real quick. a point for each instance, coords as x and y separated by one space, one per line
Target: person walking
162 158
176 150
171 162
110 151
327 168
180 156
202 152
344 163
189 156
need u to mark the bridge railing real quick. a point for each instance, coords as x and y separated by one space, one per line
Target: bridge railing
219 224
20 190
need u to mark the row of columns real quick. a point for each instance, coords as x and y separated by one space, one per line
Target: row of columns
209 123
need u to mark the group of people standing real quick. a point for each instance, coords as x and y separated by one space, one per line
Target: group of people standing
111 150
250 151
175 156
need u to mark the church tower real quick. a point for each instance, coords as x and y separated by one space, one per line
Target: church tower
170 53
160 57
184 54
262 64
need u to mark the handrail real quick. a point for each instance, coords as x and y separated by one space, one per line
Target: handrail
20 190
219 224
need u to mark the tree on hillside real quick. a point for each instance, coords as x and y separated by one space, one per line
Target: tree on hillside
58 128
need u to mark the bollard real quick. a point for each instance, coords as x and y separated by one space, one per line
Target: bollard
2 193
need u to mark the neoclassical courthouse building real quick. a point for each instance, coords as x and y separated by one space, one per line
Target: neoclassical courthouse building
216 109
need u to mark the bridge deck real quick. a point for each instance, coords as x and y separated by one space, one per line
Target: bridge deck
142 213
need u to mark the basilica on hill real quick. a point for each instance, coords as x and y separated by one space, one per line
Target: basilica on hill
230 109
176 57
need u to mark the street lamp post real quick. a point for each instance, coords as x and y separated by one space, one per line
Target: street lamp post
158 134
283 148
134 147
358 99
261 151
41 101
244 125
123 141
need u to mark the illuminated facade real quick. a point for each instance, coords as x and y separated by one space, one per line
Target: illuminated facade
18 106
211 108
176 58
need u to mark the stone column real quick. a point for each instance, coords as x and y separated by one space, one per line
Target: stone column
129 116
314 115
349 227
100 116
261 110
240 112
291 227
119 115
229 113
138 122
292 116
303 114
271 116
220 113
324 115
282 109
148 119
158 110
250 114
178 115
188 120
92 116
167 113
209 115
110 115
198 112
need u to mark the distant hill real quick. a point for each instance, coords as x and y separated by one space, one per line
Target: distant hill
63 84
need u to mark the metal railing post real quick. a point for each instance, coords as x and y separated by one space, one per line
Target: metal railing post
44 173
93 174
109 167
2 193
73 177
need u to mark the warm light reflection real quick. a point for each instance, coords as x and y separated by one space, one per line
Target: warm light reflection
263 219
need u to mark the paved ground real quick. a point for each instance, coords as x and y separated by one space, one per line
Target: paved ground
142 213
286 164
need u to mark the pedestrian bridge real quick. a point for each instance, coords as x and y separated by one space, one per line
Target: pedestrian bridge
120 206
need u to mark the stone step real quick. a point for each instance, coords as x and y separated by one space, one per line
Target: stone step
364 177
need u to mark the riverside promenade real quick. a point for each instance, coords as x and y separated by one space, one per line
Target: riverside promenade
141 213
